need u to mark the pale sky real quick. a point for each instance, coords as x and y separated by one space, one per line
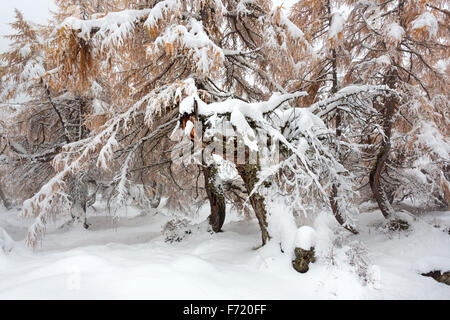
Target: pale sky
32 10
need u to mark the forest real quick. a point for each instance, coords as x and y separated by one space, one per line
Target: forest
316 135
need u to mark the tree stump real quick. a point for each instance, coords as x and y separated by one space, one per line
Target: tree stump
302 259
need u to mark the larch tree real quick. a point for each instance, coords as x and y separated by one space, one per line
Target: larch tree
346 107
218 49
34 132
399 44
323 25
46 116
214 54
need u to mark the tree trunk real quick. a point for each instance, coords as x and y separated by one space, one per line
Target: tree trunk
336 212
214 192
375 175
375 182
5 201
77 188
215 197
249 174
334 191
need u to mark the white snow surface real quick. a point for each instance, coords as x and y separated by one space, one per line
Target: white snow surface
130 260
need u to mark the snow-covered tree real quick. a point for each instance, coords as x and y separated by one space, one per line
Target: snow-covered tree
346 107
33 132
44 117
323 24
400 44
304 109
224 51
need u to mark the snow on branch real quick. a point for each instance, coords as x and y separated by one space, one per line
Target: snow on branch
309 167
115 26
206 54
280 19
159 11
239 112
254 111
343 99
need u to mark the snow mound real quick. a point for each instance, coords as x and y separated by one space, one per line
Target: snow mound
282 226
305 238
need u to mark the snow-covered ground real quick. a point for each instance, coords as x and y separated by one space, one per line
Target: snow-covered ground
130 260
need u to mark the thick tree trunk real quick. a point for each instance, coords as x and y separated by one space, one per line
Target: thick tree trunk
215 197
249 174
375 182
214 192
375 175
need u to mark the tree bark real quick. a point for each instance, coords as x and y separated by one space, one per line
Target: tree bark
375 181
336 212
375 175
249 174
215 197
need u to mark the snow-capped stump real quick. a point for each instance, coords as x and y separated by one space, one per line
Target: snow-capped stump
6 242
305 241
305 238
